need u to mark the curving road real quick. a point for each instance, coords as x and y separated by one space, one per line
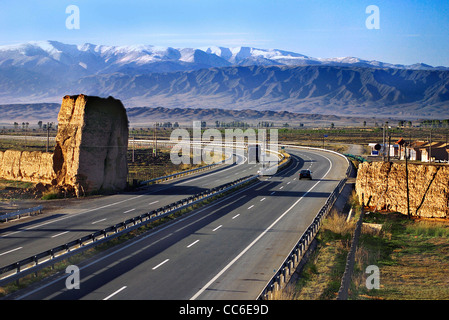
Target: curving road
24 239
227 250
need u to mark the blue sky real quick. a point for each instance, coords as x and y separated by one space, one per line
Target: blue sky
410 31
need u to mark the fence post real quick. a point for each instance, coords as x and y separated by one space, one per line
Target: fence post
346 279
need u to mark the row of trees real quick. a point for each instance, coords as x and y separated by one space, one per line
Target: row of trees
423 123
40 124
435 123
167 124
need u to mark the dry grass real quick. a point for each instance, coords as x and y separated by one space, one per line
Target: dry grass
321 276
336 223
413 258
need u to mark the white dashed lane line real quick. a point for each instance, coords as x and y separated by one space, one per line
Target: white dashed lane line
98 221
1 254
160 264
60 234
193 243
114 293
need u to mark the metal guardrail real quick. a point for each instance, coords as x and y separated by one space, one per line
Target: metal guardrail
192 171
298 251
19 213
183 173
19 269
180 174
355 157
295 256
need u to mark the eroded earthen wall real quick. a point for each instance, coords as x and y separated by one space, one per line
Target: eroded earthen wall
90 151
91 143
386 184
27 166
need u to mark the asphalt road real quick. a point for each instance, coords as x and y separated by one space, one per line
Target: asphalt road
24 238
227 250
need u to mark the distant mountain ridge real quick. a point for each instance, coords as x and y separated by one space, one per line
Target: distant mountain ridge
310 89
88 59
218 77
146 116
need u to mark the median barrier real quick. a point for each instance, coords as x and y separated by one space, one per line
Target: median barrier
20 213
32 264
279 279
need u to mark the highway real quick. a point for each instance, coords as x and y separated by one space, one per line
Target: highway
23 239
227 250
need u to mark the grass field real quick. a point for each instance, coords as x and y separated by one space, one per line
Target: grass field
412 256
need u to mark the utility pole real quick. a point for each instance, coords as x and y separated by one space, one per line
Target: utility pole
48 134
406 179
383 144
133 148
447 149
389 143
155 140
384 140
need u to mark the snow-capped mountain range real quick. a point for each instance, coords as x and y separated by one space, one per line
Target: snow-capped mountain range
218 77
88 59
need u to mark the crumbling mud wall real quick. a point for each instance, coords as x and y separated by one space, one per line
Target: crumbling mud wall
91 144
27 166
386 184
90 151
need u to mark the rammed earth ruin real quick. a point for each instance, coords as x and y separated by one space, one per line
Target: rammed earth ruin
90 151
384 186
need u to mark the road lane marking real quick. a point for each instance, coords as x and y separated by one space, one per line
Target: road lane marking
281 187
262 199
98 221
71 216
218 227
153 202
129 210
160 264
60 234
114 293
207 285
10 251
210 174
250 207
140 240
133 243
235 216
193 243
288 182
113 204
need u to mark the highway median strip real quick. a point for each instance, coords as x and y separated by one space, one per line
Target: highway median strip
55 260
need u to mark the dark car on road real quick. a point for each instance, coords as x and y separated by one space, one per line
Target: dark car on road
305 174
